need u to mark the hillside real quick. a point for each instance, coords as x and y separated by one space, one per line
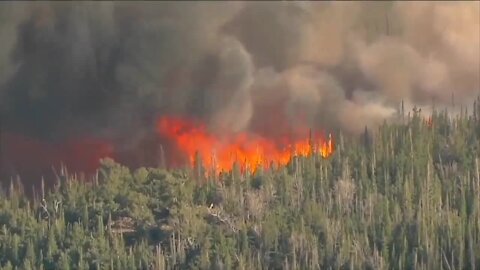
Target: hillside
405 196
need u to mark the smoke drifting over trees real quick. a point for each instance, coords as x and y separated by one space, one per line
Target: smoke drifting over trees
108 69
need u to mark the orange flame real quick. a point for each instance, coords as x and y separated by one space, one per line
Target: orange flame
428 121
249 151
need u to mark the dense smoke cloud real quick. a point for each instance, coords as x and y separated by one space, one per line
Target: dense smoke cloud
108 69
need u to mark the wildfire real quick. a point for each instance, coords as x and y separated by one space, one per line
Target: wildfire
35 158
429 121
247 150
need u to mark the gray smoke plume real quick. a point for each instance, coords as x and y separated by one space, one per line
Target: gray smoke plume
109 69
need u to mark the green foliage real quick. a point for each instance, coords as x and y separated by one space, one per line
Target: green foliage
403 197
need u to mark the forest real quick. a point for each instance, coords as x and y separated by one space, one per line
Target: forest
403 196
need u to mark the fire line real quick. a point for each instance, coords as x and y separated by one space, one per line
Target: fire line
248 150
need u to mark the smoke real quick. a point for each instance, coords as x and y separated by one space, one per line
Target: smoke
109 69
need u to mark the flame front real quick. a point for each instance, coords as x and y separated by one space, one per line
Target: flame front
428 121
247 150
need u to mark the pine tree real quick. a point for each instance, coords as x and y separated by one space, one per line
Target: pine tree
64 262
